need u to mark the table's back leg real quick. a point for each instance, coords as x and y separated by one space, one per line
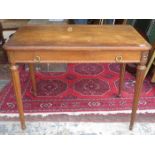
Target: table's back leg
122 75
17 90
138 87
33 80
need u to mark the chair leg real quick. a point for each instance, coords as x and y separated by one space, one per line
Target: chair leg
122 75
153 77
32 75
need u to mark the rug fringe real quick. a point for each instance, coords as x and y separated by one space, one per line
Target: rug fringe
79 113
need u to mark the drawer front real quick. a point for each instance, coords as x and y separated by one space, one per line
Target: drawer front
75 57
21 57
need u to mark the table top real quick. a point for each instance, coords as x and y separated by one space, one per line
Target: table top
104 37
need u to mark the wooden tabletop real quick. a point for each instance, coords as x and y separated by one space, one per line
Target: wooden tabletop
107 37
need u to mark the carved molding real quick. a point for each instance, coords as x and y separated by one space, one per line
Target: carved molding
13 67
144 58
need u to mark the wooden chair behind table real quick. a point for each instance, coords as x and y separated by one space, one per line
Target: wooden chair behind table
150 63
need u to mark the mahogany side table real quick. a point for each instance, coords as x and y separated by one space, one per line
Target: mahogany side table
77 44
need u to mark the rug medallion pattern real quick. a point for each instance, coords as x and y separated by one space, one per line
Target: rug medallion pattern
83 87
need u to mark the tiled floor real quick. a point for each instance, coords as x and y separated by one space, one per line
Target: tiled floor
74 128
3 83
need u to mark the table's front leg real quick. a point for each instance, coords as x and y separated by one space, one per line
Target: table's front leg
17 90
138 87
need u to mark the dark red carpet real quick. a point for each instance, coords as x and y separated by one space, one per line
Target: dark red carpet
84 87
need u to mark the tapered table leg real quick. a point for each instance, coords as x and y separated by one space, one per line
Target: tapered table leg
17 90
32 75
122 74
138 87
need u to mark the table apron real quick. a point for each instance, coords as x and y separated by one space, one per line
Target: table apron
74 56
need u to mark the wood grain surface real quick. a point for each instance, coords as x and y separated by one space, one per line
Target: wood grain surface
107 37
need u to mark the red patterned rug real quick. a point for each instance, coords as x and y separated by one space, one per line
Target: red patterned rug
83 88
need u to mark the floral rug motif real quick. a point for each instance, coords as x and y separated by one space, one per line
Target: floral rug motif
83 88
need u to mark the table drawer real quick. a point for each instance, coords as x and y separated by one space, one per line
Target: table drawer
75 56
21 57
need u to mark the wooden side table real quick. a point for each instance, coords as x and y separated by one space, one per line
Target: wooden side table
77 44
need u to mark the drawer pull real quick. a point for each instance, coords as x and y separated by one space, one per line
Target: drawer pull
37 59
119 58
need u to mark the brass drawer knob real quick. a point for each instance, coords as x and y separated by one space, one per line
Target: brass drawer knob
119 58
37 59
